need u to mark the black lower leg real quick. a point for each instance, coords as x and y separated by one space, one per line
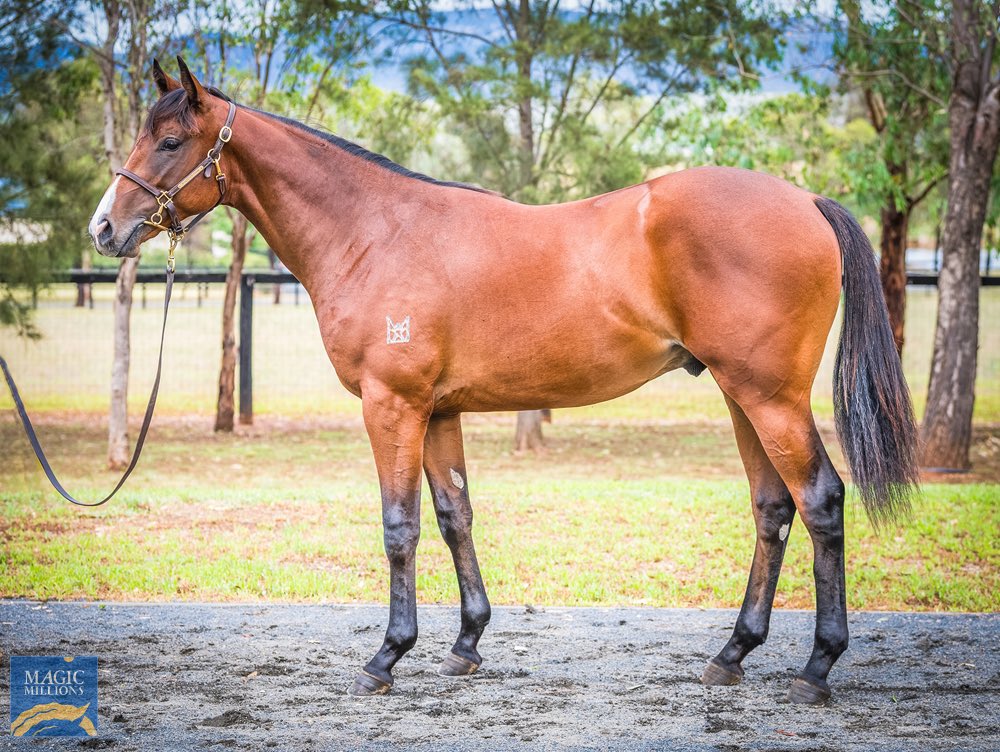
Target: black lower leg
444 465
773 513
402 531
454 515
823 515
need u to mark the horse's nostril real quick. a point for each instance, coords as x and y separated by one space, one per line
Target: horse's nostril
103 232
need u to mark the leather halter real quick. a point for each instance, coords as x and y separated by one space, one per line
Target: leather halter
165 199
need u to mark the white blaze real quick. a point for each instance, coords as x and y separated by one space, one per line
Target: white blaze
107 201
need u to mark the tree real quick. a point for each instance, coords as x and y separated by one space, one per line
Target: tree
299 45
891 59
126 23
49 179
974 134
790 136
552 104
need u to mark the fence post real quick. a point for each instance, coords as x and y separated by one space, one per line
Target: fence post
246 348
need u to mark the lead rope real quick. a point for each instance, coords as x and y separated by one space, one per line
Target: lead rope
176 232
29 429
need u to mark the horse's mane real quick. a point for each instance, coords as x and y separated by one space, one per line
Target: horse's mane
174 106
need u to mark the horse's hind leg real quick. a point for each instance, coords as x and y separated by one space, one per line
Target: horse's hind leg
444 464
788 434
773 511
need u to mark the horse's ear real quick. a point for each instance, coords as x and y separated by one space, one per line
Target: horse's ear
195 91
164 83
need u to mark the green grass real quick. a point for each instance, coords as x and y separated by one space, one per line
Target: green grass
69 368
612 513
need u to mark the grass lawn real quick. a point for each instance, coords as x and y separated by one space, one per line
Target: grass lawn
614 512
641 500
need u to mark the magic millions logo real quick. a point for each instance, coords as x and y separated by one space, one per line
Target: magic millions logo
53 696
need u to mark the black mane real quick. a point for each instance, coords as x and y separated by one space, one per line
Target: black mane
174 105
369 156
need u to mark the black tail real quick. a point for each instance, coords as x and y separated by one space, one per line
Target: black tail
871 402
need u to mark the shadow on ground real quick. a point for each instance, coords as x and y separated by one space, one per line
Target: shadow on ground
257 677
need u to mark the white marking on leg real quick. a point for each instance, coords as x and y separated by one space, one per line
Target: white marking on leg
107 201
457 479
783 531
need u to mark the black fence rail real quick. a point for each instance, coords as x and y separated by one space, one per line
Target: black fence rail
205 277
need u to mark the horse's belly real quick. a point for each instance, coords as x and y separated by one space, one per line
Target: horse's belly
574 367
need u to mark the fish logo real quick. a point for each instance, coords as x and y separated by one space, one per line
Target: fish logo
53 696
43 720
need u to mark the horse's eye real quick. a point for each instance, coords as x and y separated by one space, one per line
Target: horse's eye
170 144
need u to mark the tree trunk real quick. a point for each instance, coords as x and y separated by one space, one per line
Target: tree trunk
118 444
529 430
893 266
272 261
974 121
529 422
225 409
83 289
526 125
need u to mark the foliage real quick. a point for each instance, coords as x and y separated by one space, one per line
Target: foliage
893 58
50 178
550 103
792 136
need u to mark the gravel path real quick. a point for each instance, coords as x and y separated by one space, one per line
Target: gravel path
257 677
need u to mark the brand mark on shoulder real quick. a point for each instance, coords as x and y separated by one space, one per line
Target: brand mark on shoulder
397 333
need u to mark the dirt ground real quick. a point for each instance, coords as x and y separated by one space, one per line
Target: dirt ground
258 677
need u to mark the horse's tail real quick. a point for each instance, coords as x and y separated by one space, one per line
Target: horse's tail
871 402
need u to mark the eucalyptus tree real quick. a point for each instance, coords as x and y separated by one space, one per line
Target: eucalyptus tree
973 61
49 178
113 38
120 36
890 54
793 136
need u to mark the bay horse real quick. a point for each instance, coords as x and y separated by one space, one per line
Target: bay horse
437 298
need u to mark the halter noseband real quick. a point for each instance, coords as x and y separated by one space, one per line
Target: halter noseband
165 199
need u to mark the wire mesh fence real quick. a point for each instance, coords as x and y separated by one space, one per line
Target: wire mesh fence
69 367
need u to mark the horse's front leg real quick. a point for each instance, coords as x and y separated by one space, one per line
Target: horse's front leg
444 464
396 428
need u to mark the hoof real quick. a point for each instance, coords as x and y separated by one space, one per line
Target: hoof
367 685
717 675
806 692
456 665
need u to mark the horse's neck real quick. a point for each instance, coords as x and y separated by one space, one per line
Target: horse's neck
308 198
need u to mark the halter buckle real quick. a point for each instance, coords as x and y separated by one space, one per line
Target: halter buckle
225 133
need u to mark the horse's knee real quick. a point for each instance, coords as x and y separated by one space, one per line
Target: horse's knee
400 534
454 522
773 511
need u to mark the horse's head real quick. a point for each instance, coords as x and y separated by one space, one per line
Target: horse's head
180 129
